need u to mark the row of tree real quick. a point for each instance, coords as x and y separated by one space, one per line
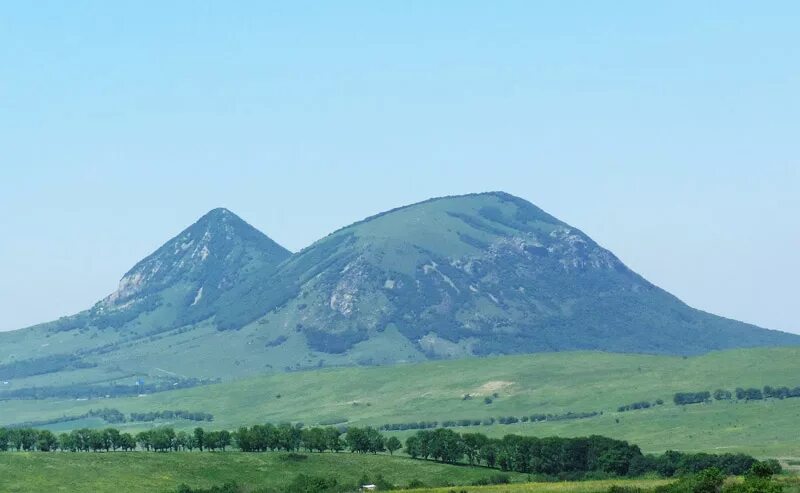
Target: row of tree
639 405
570 458
93 391
768 392
114 416
177 414
503 420
742 394
567 457
162 439
685 398
257 438
261 438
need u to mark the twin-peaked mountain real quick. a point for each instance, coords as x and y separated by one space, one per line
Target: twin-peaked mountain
450 277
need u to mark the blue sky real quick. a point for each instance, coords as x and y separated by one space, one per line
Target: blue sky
666 131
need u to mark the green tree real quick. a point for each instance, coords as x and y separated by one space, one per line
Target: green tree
333 438
111 437
224 439
758 480
4 436
23 438
472 445
413 446
709 481
363 440
162 439
488 453
183 440
46 441
392 445
199 435
288 437
66 443
145 439
127 442
97 441
446 445
243 439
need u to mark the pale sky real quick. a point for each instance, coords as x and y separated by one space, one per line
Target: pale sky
667 132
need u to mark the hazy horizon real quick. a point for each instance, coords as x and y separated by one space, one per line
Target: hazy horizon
666 133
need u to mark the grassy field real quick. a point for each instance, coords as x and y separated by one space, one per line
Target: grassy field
161 473
541 383
148 472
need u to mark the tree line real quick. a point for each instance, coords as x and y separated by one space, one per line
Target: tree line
177 414
741 394
257 438
503 420
566 458
639 405
92 391
114 416
41 366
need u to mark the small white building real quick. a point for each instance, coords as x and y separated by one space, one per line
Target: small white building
369 487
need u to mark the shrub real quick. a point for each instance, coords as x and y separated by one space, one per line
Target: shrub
225 488
312 484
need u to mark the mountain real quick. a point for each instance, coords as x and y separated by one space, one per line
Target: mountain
173 288
193 269
188 274
450 277
476 275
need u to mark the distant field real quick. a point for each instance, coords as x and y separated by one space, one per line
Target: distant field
530 384
145 472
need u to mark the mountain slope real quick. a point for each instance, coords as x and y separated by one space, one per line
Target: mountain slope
196 267
174 287
477 274
450 277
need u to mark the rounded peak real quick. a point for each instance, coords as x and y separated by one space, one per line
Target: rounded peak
476 201
219 211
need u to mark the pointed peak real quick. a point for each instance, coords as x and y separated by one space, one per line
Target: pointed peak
218 214
221 219
217 245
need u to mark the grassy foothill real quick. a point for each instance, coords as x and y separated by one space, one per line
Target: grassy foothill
151 472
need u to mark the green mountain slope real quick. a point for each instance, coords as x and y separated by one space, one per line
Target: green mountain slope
474 275
477 274
175 287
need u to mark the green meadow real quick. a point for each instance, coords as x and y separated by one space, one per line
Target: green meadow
553 383
150 472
